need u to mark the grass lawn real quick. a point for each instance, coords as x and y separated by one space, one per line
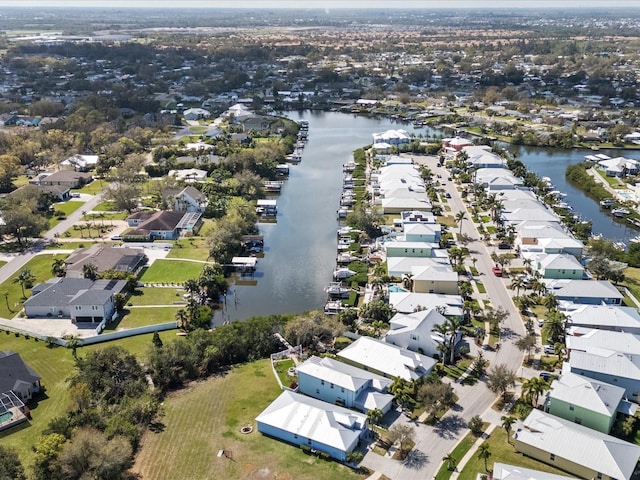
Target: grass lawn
40 267
481 288
156 296
206 417
68 207
168 271
105 207
282 368
88 231
141 317
461 448
55 366
503 452
455 371
92 188
447 220
632 280
191 248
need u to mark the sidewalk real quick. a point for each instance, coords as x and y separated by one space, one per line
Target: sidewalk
472 451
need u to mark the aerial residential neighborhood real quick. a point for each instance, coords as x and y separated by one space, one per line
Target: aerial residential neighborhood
381 242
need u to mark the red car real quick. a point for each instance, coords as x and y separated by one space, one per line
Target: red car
497 271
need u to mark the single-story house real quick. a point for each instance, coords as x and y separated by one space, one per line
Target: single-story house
586 339
392 137
608 366
455 144
409 302
59 192
591 292
17 376
619 166
165 225
65 178
503 471
415 331
343 384
559 265
584 401
105 257
481 156
497 179
409 249
422 232
81 163
190 199
81 299
399 266
189 175
416 216
386 359
318 425
576 449
196 114
604 317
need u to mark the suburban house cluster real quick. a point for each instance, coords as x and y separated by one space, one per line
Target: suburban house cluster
18 384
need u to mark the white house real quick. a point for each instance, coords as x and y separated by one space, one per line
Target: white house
399 266
576 449
392 137
604 317
189 175
409 302
342 384
190 199
81 163
481 156
414 331
321 426
196 114
619 166
386 359
504 471
587 339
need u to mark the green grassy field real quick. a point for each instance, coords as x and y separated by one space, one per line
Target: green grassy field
55 366
206 417
632 280
458 452
40 266
192 248
156 296
167 271
92 188
503 452
140 317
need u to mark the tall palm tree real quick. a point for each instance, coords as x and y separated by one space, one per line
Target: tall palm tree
554 327
58 267
25 278
550 301
443 330
516 284
484 453
182 320
453 326
90 271
507 423
460 216
375 416
532 388
451 461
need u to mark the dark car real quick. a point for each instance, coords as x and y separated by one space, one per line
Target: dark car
545 376
447 195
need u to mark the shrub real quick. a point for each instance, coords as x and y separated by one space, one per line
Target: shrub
475 425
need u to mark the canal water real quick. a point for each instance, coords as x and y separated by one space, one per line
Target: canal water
300 247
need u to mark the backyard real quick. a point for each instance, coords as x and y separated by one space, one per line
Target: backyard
209 415
169 271
140 317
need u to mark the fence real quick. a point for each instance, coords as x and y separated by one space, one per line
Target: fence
130 332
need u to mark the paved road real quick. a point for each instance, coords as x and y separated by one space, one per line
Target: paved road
21 259
436 442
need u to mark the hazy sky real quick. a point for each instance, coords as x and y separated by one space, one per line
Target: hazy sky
325 4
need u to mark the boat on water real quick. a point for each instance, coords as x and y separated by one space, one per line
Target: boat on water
635 239
342 273
342 212
346 258
620 212
607 202
333 307
337 290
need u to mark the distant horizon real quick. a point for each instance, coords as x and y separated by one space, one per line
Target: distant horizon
327 5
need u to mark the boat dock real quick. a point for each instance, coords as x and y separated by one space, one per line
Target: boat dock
266 207
245 265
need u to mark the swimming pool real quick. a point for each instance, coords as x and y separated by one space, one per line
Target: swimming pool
5 417
625 195
396 289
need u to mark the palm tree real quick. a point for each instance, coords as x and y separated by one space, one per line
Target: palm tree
191 286
375 416
533 388
58 267
550 301
25 279
484 453
182 319
90 271
443 330
507 422
554 327
527 264
516 284
559 349
451 462
453 326
474 260
72 342
460 216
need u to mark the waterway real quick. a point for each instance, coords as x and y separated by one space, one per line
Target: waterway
300 248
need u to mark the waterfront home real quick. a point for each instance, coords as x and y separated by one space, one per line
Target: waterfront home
439 278
422 232
17 376
619 167
392 137
481 156
415 331
387 360
591 292
343 384
84 301
317 425
400 203
616 318
455 144
400 266
497 179
416 216
576 449
532 213
585 401
608 366
409 302
165 225
104 257
557 265
504 471
80 163
409 249
190 199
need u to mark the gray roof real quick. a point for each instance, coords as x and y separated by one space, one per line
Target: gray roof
612 317
581 445
105 257
14 371
590 394
589 339
605 362
58 292
583 288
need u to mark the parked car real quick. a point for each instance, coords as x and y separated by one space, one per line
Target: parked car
497 271
75 195
549 349
504 246
447 195
116 237
545 375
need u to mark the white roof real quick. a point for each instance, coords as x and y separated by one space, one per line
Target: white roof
313 419
437 273
591 338
398 266
594 395
618 164
606 316
583 288
411 245
343 375
423 321
421 228
539 214
388 359
390 135
188 173
407 302
405 203
581 445
560 242
417 216
482 155
560 261
604 362
503 471
81 160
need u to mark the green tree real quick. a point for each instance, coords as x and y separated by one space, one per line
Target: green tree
72 342
554 327
527 344
58 267
451 462
375 416
500 379
476 425
459 217
46 451
401 433
156 340
90 271
532 388
507 423
10 168
484 453
25 279
10 466
22 221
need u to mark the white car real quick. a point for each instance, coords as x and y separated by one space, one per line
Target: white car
549 349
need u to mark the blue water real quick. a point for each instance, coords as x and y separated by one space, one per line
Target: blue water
396 289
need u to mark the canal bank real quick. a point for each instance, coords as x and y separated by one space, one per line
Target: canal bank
300 247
